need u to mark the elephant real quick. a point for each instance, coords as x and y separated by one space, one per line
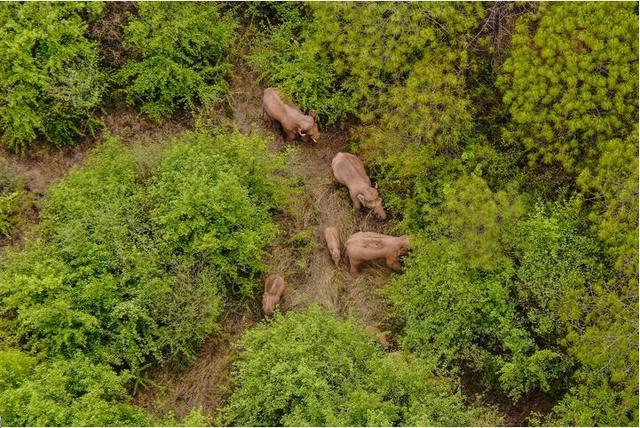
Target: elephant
274 286
349 171
333 243
367 246
293 121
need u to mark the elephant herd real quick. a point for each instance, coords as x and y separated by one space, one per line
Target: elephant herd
349 171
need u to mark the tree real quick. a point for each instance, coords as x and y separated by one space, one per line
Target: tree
570 81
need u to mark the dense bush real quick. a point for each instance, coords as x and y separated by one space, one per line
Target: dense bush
72 392
50 80
570 80
571 85
308 368
180 57
287 60
131 269
491 291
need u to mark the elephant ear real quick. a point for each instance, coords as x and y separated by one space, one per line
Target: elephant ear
313 114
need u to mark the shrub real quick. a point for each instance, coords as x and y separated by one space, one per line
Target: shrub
308 368
50 81
63 393
180 57
130 268
492 290
213 199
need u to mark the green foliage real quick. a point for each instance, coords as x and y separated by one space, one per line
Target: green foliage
492 293
267 14
603 337
287 62
213 198
556 266
180 57
612 182
134 271
131 268
195 418
479 218
571 85
63 393
8 207
308 368
13 198
15 366
570 80
50 80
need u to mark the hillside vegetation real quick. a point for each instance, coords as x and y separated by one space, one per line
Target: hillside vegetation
503 140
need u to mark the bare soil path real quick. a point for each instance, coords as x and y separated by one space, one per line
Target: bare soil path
299 254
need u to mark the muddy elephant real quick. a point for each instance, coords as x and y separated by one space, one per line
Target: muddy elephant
274 286
290 117
349 171
333 243
367 246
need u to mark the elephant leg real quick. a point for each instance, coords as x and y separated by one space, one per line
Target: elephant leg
353 265
290 136
394 264
356 203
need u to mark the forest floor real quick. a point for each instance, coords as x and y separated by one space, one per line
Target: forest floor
299 253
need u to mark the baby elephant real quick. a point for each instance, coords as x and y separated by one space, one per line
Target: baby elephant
274 287
366 246
349 171
333 243
293 121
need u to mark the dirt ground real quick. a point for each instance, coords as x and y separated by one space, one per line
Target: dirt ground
299 254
